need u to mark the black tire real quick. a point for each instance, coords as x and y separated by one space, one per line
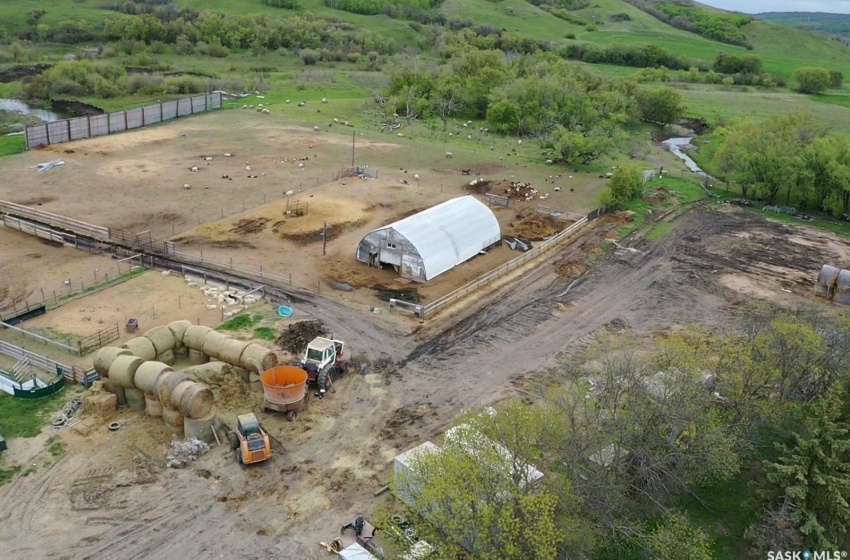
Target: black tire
114 427
322 380
234 441
238 454
291 415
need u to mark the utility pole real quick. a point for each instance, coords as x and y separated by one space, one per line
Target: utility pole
353 139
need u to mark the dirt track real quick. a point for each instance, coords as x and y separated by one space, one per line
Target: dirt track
331 459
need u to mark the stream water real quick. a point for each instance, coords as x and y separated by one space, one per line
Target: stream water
675 146
18 106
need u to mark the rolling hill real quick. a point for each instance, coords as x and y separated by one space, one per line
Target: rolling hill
828 24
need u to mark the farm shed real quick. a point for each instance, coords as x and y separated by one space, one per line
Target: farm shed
427 244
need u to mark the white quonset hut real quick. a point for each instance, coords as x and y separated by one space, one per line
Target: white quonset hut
427 244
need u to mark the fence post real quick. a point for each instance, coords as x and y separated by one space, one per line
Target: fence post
47 133
68 122
126 125
161 118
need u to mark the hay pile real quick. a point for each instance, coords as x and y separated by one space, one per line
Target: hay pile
232 390
296 336
536 226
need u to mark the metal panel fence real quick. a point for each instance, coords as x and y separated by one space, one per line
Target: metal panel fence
41 362
79 128
538 249
61 222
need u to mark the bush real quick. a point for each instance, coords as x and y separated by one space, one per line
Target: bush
620 17
286 4
836 79
811 80
308 56
625 185
730 64
182 85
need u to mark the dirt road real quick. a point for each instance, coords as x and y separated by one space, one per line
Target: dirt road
328 463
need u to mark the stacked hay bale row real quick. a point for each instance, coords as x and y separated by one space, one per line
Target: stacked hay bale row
140 373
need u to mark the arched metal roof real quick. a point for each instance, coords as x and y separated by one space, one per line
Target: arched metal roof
450 233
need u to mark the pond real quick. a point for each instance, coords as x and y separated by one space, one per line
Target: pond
17 106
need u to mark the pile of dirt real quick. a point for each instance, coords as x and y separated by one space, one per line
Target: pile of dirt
570 268
296 336
659 196
307 237
618 218
248 225
479 186
536 226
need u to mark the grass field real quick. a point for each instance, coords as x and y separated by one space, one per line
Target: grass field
719 105
12 144
25 418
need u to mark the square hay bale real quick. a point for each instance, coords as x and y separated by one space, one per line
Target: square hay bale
100 404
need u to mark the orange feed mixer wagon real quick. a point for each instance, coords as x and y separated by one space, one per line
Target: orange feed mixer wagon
285 390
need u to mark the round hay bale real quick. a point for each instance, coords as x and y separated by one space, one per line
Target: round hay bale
196 357
178 329
152 406
260 354
196 401
141 347
201 428
194 337
166 383
166 357
162 339
147 374
180 352
173 419
214 343
116 390
123 370
104 357
176 396
231 351
135 399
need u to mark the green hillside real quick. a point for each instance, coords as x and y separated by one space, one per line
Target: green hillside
828 24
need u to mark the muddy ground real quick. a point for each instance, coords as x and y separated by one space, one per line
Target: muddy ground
110 496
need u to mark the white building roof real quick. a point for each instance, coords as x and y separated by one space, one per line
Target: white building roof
355 552
449 233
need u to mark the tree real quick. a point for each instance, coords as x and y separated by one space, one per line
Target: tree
663 106
625 185
477 495
811 80
675 537
447 100
813 475
836 79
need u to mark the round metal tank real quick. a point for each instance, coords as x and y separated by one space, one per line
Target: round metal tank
842 288
284 384
825 286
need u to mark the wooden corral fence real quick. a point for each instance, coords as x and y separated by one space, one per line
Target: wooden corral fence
100 338
79 347
100 125
296 207
497 200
